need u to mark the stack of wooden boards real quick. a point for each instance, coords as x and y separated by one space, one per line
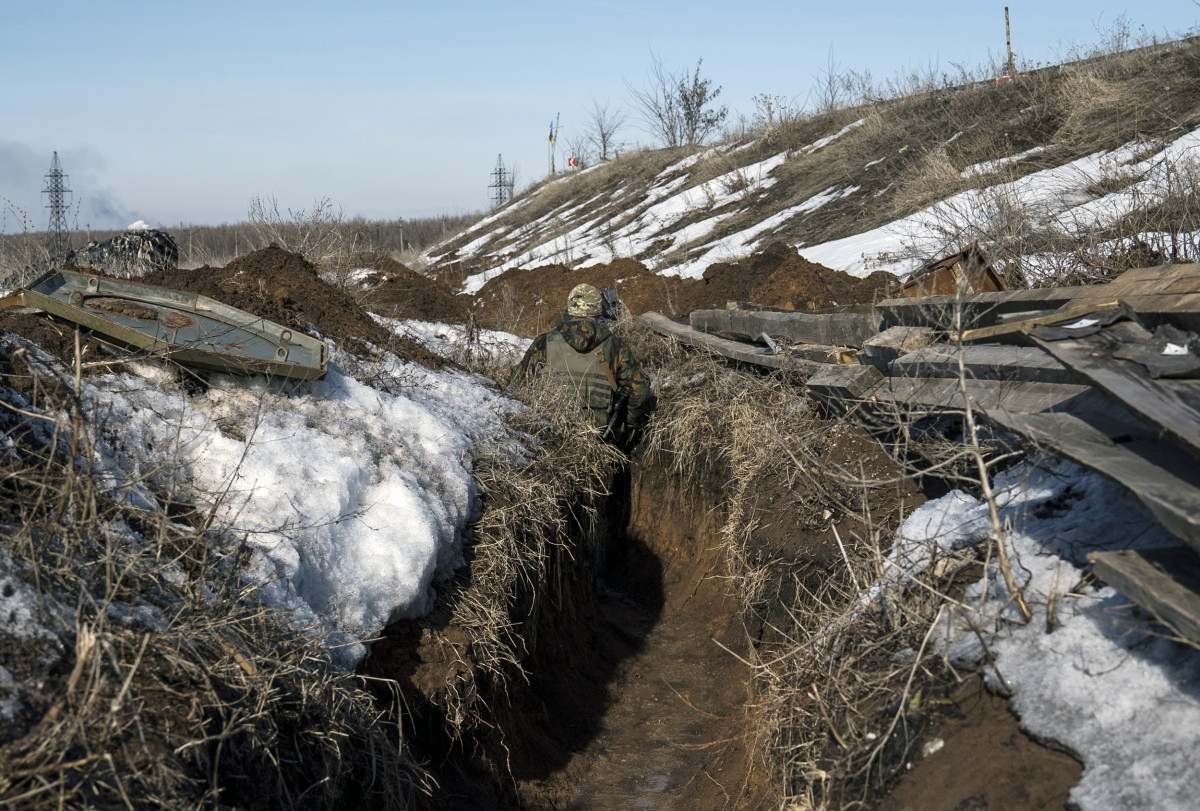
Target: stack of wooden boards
1043 363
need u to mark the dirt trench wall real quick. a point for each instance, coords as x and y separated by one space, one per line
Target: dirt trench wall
656 554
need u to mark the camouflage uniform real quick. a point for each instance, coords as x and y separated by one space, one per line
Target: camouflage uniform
585 356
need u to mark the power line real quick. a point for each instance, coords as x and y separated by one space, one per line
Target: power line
56 191
502 183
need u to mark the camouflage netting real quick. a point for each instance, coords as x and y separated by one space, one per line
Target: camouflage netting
133 253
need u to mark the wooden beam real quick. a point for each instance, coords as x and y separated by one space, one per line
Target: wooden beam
734 350
1073 310
882 349
1159 294
1173 406
933 395
983 362
1143 466
828 329
840 388
1165 582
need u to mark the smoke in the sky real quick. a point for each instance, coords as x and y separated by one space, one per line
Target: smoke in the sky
23 173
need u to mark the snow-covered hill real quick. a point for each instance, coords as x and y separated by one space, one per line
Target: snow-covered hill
1057 172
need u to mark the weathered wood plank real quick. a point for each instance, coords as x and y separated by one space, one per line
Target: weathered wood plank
932 395
839 388
1136 464
829 329
734 350
880 350
1171 405
1157 294
983 362
1157 279
1165 582
976 310
1075 309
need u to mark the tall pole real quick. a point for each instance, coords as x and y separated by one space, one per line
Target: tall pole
56 192
1012 71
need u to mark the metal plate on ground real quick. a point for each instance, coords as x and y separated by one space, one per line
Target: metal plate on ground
190 329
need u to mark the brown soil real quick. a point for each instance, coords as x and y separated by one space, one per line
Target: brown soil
678 729
284 287
525 300
986 761
397 291
55 336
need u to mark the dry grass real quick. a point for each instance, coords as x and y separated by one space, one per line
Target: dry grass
541 522
160 681
844 689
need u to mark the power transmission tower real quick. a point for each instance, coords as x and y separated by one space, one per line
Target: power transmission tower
502 184
56 191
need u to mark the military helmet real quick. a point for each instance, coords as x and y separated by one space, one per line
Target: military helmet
584 300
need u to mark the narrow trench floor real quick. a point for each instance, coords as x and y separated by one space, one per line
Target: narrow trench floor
675 731
676 734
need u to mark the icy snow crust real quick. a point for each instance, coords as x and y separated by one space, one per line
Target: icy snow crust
353 499
1126 701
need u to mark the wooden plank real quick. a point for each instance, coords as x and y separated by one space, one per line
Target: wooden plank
1157 279
847 382
828 329
823 354
1073 310
882 349
1173 406
1157 294
976 310
983 362
734 350
1137 464
933 395
1165 582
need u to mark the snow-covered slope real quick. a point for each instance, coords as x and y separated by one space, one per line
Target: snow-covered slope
888 186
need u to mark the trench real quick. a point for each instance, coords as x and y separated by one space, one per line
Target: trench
637 694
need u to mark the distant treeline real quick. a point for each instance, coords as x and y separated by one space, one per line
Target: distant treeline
24 254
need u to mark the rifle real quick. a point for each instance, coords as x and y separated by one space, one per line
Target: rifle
610 305
618 412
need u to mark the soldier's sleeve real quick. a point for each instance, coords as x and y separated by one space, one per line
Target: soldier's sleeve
534 359
629 375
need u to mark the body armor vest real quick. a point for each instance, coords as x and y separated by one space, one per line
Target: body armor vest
581 372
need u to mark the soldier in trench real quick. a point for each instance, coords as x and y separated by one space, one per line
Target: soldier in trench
583 356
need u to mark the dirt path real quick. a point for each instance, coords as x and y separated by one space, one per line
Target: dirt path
674 738
676 734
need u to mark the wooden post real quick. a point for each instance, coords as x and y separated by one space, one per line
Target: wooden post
1012 71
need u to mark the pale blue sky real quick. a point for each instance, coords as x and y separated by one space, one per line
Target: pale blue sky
181 112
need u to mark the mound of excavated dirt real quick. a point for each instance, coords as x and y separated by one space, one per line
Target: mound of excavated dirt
284 287
780 277
524 300
398 291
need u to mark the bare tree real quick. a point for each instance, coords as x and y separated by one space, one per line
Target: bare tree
579 146
678 108
832 88
603 124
